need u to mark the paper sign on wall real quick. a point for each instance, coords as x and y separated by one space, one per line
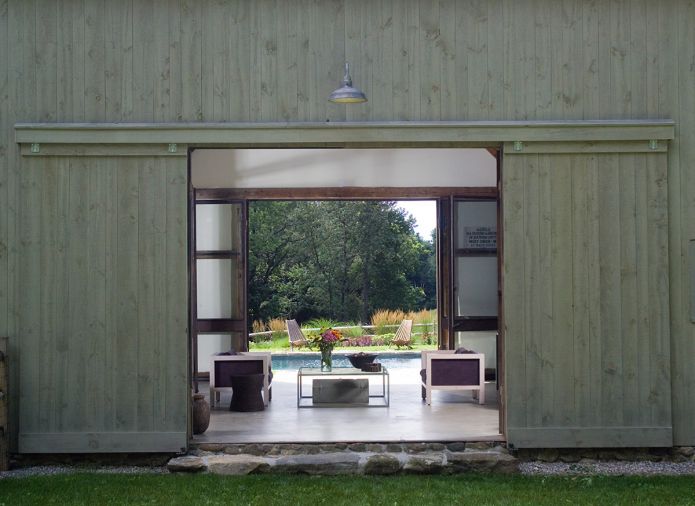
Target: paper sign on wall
480 238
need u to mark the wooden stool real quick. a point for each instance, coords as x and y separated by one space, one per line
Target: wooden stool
246 392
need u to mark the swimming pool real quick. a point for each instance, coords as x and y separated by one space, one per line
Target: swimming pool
405 360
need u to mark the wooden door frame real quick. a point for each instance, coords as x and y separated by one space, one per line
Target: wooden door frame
115 140
443 196
197 326
444 254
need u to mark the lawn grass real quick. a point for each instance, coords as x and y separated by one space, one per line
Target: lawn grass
265 490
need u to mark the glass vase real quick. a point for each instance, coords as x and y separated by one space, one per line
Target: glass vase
326 359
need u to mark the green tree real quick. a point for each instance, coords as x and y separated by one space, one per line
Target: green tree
339 260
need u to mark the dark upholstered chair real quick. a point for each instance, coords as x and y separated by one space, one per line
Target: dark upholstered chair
447 370
224 366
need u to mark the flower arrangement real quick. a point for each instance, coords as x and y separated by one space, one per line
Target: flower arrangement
325 339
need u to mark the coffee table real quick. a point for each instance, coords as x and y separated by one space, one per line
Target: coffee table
381 400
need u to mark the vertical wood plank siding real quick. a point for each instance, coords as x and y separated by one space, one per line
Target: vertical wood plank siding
586 297
104 348
244 60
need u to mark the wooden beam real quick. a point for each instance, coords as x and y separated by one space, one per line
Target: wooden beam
345 193
386 134
220 326
107 150
103 442
571 147
592 437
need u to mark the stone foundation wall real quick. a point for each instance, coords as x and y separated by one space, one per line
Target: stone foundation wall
397 458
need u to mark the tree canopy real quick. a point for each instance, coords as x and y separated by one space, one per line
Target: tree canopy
338 259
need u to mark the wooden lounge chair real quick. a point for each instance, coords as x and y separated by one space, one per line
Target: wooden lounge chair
297 337
403 334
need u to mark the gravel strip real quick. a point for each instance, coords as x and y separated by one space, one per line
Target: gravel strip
609 467
24 472
534 468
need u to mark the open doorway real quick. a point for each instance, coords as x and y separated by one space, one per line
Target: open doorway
462 183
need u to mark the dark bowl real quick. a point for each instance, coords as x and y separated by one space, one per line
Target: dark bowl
359 360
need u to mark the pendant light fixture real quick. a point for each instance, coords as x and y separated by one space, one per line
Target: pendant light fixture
346 94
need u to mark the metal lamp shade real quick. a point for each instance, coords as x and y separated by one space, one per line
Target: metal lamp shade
347 94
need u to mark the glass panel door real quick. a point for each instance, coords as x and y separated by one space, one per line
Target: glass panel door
218 280
475 265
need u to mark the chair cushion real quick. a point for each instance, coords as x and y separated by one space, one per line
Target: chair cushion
231 351
226 368
462 350
490 374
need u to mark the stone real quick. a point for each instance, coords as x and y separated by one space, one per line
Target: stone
425 464
236 464
200 453
274 450
382 465
686 451
652 457
415 447
253 449
357 447
394 448
375 448
437 447
233 450
626 454
548 455
211 447
589 454
482 461
499 449
569 456
456 447
186 464
291 449
330 448
478 445
324 463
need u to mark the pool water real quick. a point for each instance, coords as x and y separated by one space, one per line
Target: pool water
389 360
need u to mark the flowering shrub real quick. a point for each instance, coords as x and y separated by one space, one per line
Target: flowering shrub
325 339
359 341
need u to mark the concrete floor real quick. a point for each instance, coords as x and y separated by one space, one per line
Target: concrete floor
452 416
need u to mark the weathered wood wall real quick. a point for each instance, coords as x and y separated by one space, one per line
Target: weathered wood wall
103 298
587 328
277 60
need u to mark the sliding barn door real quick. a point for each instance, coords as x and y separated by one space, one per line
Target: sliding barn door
586 298
103 298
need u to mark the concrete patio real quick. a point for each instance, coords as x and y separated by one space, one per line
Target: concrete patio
453 416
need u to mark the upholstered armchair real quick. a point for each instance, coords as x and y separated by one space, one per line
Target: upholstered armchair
448 370
224 366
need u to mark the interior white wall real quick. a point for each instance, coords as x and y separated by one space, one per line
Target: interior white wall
480 342
214 277
316 168
209 344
